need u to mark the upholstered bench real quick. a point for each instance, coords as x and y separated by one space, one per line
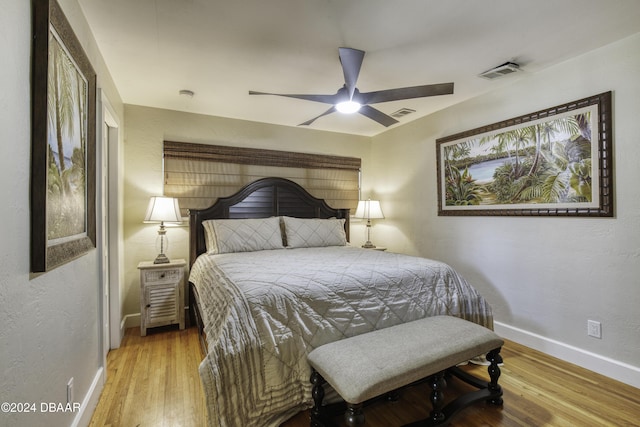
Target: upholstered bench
370 365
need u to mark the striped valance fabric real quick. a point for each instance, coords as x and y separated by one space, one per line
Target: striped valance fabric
198 174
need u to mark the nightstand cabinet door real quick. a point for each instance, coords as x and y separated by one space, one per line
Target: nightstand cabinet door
161 305
161 294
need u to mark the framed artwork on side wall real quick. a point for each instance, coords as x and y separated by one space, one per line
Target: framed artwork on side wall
554 162
63 153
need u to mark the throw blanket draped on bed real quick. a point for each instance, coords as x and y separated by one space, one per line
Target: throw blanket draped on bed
264 311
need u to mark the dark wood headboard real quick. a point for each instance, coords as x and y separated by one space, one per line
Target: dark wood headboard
261 199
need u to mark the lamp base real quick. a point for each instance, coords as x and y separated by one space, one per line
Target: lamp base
161 259
369 245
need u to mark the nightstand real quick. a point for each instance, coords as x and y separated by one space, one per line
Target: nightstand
161 294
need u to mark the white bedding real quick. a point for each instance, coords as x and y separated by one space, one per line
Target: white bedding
264 311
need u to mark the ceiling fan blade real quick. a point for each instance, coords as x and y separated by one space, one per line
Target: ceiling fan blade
308 122
325 99
378 116
405 93
351 60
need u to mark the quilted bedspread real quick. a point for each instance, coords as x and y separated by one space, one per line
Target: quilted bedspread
265 311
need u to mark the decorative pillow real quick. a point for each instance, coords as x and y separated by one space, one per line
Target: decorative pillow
314 232
242 235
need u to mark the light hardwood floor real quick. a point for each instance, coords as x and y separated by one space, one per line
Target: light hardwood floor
153 381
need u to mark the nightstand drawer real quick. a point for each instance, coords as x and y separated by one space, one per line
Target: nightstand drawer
162 276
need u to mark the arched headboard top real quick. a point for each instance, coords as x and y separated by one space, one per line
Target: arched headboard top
263 198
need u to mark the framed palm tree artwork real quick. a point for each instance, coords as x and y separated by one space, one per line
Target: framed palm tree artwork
63 164
554 162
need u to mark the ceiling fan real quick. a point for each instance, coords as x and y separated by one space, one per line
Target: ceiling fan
349 99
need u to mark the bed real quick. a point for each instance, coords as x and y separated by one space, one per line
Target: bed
273 277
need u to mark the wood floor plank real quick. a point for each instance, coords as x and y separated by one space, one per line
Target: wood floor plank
153 381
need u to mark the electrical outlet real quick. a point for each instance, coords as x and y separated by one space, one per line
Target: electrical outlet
70 391
594 329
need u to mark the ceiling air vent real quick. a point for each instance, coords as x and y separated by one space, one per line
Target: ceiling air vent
500 70
402 112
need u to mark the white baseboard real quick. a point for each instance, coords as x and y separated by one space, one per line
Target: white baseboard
603 365
90 401
130 321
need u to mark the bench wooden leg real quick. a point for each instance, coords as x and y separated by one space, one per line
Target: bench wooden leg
438 383
494 373
320 416
354 415
317 393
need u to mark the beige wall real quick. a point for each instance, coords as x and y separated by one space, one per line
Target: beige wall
544 277
50 322
146 129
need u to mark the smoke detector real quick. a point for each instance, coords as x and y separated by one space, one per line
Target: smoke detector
500 70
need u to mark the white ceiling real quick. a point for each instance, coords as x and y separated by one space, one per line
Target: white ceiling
222 49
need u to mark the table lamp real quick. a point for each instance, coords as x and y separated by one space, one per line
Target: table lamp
162 209
369 209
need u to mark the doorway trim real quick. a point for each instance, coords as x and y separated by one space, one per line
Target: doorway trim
111 221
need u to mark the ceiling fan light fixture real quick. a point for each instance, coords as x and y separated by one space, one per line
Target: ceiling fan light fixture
348 107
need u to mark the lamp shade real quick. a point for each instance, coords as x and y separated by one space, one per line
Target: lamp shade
163 209
369 209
